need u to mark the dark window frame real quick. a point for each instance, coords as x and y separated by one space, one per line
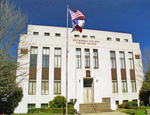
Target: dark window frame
46 34
84 36
35 33
118 39
76 36
109 39
57 34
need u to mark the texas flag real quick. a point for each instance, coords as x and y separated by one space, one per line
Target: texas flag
78 23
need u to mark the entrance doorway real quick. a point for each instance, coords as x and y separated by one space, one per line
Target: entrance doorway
88 89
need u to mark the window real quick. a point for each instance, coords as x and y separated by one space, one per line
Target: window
124 86
132 74
57 34
32 72
92 36
118 39
84 36
122 60
137 56
46 34
76 36
33 57
35 33
45 71
30 106
114 86
24 51
133 85
57 71
32 87
113 59
113 72
45 86
78 58
95 58
57 86
87 58
109 38
57 58
130 54
125 40
45 57
44 105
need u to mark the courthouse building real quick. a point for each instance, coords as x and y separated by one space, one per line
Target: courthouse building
102 67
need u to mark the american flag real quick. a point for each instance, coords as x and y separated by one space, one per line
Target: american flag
76 14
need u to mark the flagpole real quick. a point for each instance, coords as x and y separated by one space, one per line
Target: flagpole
67 64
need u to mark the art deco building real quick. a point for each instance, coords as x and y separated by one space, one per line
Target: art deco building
102 67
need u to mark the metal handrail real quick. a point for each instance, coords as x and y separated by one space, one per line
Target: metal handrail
94 105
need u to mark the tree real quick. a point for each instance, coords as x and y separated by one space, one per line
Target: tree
12 23
58 102
144 94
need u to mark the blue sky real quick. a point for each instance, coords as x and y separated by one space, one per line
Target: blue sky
127 16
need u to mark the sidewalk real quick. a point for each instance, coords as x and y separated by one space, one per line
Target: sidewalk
107 113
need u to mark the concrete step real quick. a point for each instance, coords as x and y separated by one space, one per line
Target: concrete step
94 108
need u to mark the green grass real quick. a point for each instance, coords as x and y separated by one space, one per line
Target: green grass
139 111
41 114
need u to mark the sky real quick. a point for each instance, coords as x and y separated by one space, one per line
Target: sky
126 16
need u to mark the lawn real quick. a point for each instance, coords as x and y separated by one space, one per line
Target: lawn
139 111
41 114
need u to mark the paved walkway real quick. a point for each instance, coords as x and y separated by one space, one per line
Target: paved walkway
107 113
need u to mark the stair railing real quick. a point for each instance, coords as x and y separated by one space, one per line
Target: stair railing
94 105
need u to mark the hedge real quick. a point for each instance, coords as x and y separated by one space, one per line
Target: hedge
59 110
36 110
129 105
51 110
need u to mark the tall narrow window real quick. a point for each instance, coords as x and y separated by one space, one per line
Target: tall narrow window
57 71
131 60
132 72
57 58
123 72
45 71
122 60
95 58
32 71
78 58
113 60
87 58
113 72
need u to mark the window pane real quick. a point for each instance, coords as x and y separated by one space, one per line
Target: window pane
124 86
45 105
59 88
59 62
113 59
122 60
78 58
46 92
55 87
95 58
34 88
31 106
57 57
87 58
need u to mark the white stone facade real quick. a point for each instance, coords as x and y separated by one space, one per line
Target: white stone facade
101 76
